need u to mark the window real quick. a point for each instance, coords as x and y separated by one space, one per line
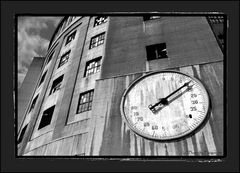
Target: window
93 66
100 20
70 37
85 101
46 117
97 40
73 17
156 51
70 19
50 57
217 25
33 103
151 17
221 39
216 19
42 79
22 134
56 85
64 59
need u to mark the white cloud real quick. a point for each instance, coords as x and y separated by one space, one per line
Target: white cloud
54 20
30 44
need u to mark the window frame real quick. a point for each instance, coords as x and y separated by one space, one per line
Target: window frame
98 67
33 103
98 17
22 133
45 119
50 56
42 78
98 40
56 87
151 17
61 62
216 19
73 34
84 106
160 53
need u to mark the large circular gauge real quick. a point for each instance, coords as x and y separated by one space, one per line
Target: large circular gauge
165 105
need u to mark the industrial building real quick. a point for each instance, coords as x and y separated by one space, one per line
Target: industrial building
69 104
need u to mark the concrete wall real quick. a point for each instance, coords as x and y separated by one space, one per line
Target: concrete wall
189 40
109 135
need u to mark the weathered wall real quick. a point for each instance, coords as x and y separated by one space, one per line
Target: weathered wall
109 135
189 40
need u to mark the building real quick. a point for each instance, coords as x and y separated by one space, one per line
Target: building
91 60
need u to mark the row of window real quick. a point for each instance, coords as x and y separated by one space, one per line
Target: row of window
156 51
97 21
85 99
84 104
92 66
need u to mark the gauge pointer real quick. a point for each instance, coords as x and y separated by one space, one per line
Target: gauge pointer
164 101
180 94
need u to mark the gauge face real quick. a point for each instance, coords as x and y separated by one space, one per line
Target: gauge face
165 105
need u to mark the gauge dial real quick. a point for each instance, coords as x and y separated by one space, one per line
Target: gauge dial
165 105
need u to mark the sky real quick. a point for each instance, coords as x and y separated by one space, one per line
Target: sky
34 34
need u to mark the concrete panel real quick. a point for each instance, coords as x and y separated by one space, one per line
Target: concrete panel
109 135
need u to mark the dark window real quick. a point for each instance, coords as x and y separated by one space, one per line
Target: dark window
64 59
50 57
70 37
156 51
97 40
33 103
42 78
46 117
85 101
100 20
22 134
56 84
93 66
150 17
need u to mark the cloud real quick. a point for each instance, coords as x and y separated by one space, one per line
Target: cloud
30 42
54 20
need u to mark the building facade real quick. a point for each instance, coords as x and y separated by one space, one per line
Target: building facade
74 109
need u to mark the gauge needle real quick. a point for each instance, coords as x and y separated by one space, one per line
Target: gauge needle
164 101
